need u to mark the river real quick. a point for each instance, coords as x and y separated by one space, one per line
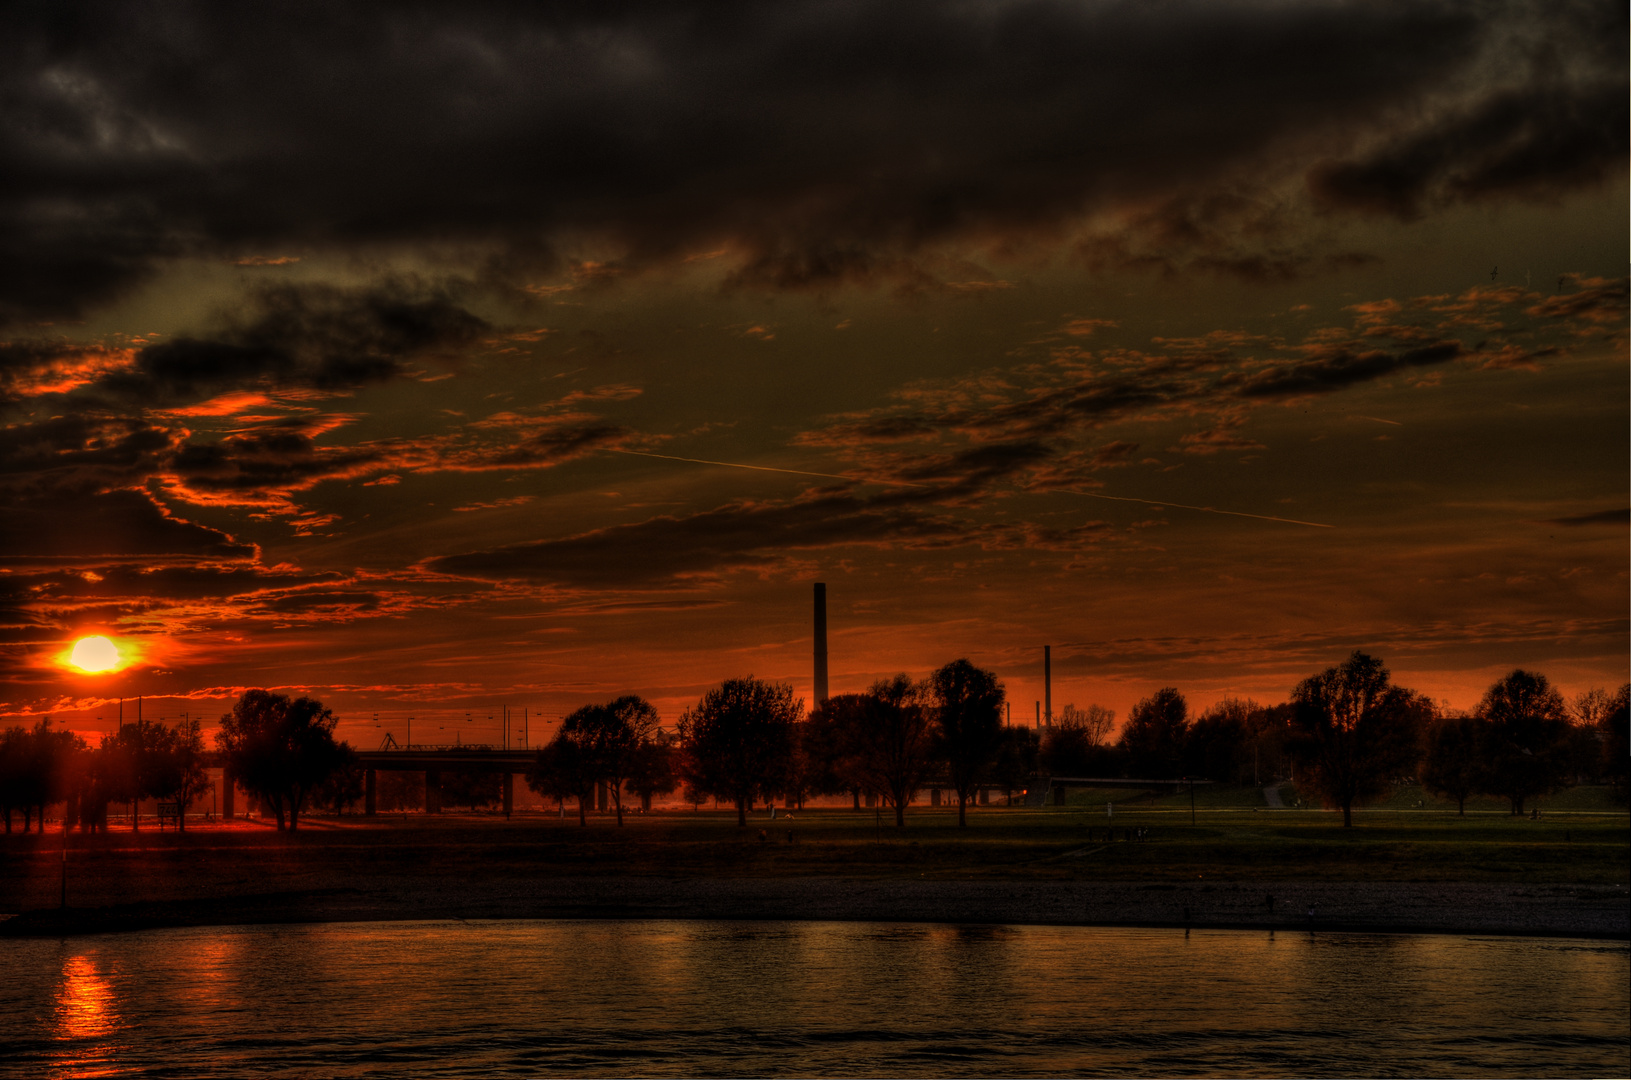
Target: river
428 999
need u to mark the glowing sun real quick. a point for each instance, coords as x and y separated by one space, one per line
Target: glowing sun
95 654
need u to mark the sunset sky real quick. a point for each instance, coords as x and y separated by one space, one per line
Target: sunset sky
436 359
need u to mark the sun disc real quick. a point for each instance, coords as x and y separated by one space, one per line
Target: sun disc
95 654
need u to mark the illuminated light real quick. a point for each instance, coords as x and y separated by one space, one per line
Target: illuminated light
95 654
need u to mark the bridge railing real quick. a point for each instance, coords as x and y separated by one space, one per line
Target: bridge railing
445 747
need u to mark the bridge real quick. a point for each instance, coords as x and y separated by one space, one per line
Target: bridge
432 759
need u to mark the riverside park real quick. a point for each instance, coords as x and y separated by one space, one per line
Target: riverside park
1216 856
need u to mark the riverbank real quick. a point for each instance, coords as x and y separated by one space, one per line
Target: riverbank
1392 907
1401 873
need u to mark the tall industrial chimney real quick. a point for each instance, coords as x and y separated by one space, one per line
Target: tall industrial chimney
820 642
1047 684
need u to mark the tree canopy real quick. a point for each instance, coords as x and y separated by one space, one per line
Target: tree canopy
892 747
280 749
966 704
1353 731
736 740
1153 740
1527 726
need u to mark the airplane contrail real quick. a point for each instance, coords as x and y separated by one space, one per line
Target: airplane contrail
1200 509
767 468
1378 419
908 483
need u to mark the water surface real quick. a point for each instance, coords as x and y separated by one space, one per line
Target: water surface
665 998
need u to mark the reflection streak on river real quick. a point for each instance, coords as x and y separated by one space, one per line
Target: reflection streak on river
434 999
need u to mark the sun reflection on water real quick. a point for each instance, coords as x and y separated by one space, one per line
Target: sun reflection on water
85 1016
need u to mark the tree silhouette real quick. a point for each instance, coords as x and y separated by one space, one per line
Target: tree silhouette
279 749
893 746
1353 731
1017 757
830 743
562 770
134 764
177 771
1216 744
37 768
1526 738
1153 740
1075 743
471 787
346 785
1453 766
612 736
966 704
1616 729
651 770
736 740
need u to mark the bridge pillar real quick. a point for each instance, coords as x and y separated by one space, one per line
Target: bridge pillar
509 794
871 800
370 801
985 796
934 796
433 791
229 790
1059 795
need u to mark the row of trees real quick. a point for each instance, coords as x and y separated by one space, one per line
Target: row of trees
749 740
1354 734
1349 732
1524 742
282 752
142 760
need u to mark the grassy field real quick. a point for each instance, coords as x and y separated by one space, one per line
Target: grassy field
1229 839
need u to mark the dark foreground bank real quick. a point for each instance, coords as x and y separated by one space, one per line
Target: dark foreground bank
1287 870
1394 907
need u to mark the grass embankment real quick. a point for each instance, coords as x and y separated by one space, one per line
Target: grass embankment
1229 839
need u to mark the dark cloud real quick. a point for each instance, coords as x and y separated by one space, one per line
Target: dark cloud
742 535
77 451
978 466
107 523
1342 368
816 141
1560 124
309 336
1598 517
551 446
1028 425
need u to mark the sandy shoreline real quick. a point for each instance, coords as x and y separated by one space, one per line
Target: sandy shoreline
1589 911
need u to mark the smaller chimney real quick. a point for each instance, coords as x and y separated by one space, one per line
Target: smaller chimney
1047 684
820 642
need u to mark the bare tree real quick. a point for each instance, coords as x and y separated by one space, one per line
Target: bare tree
1077 744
